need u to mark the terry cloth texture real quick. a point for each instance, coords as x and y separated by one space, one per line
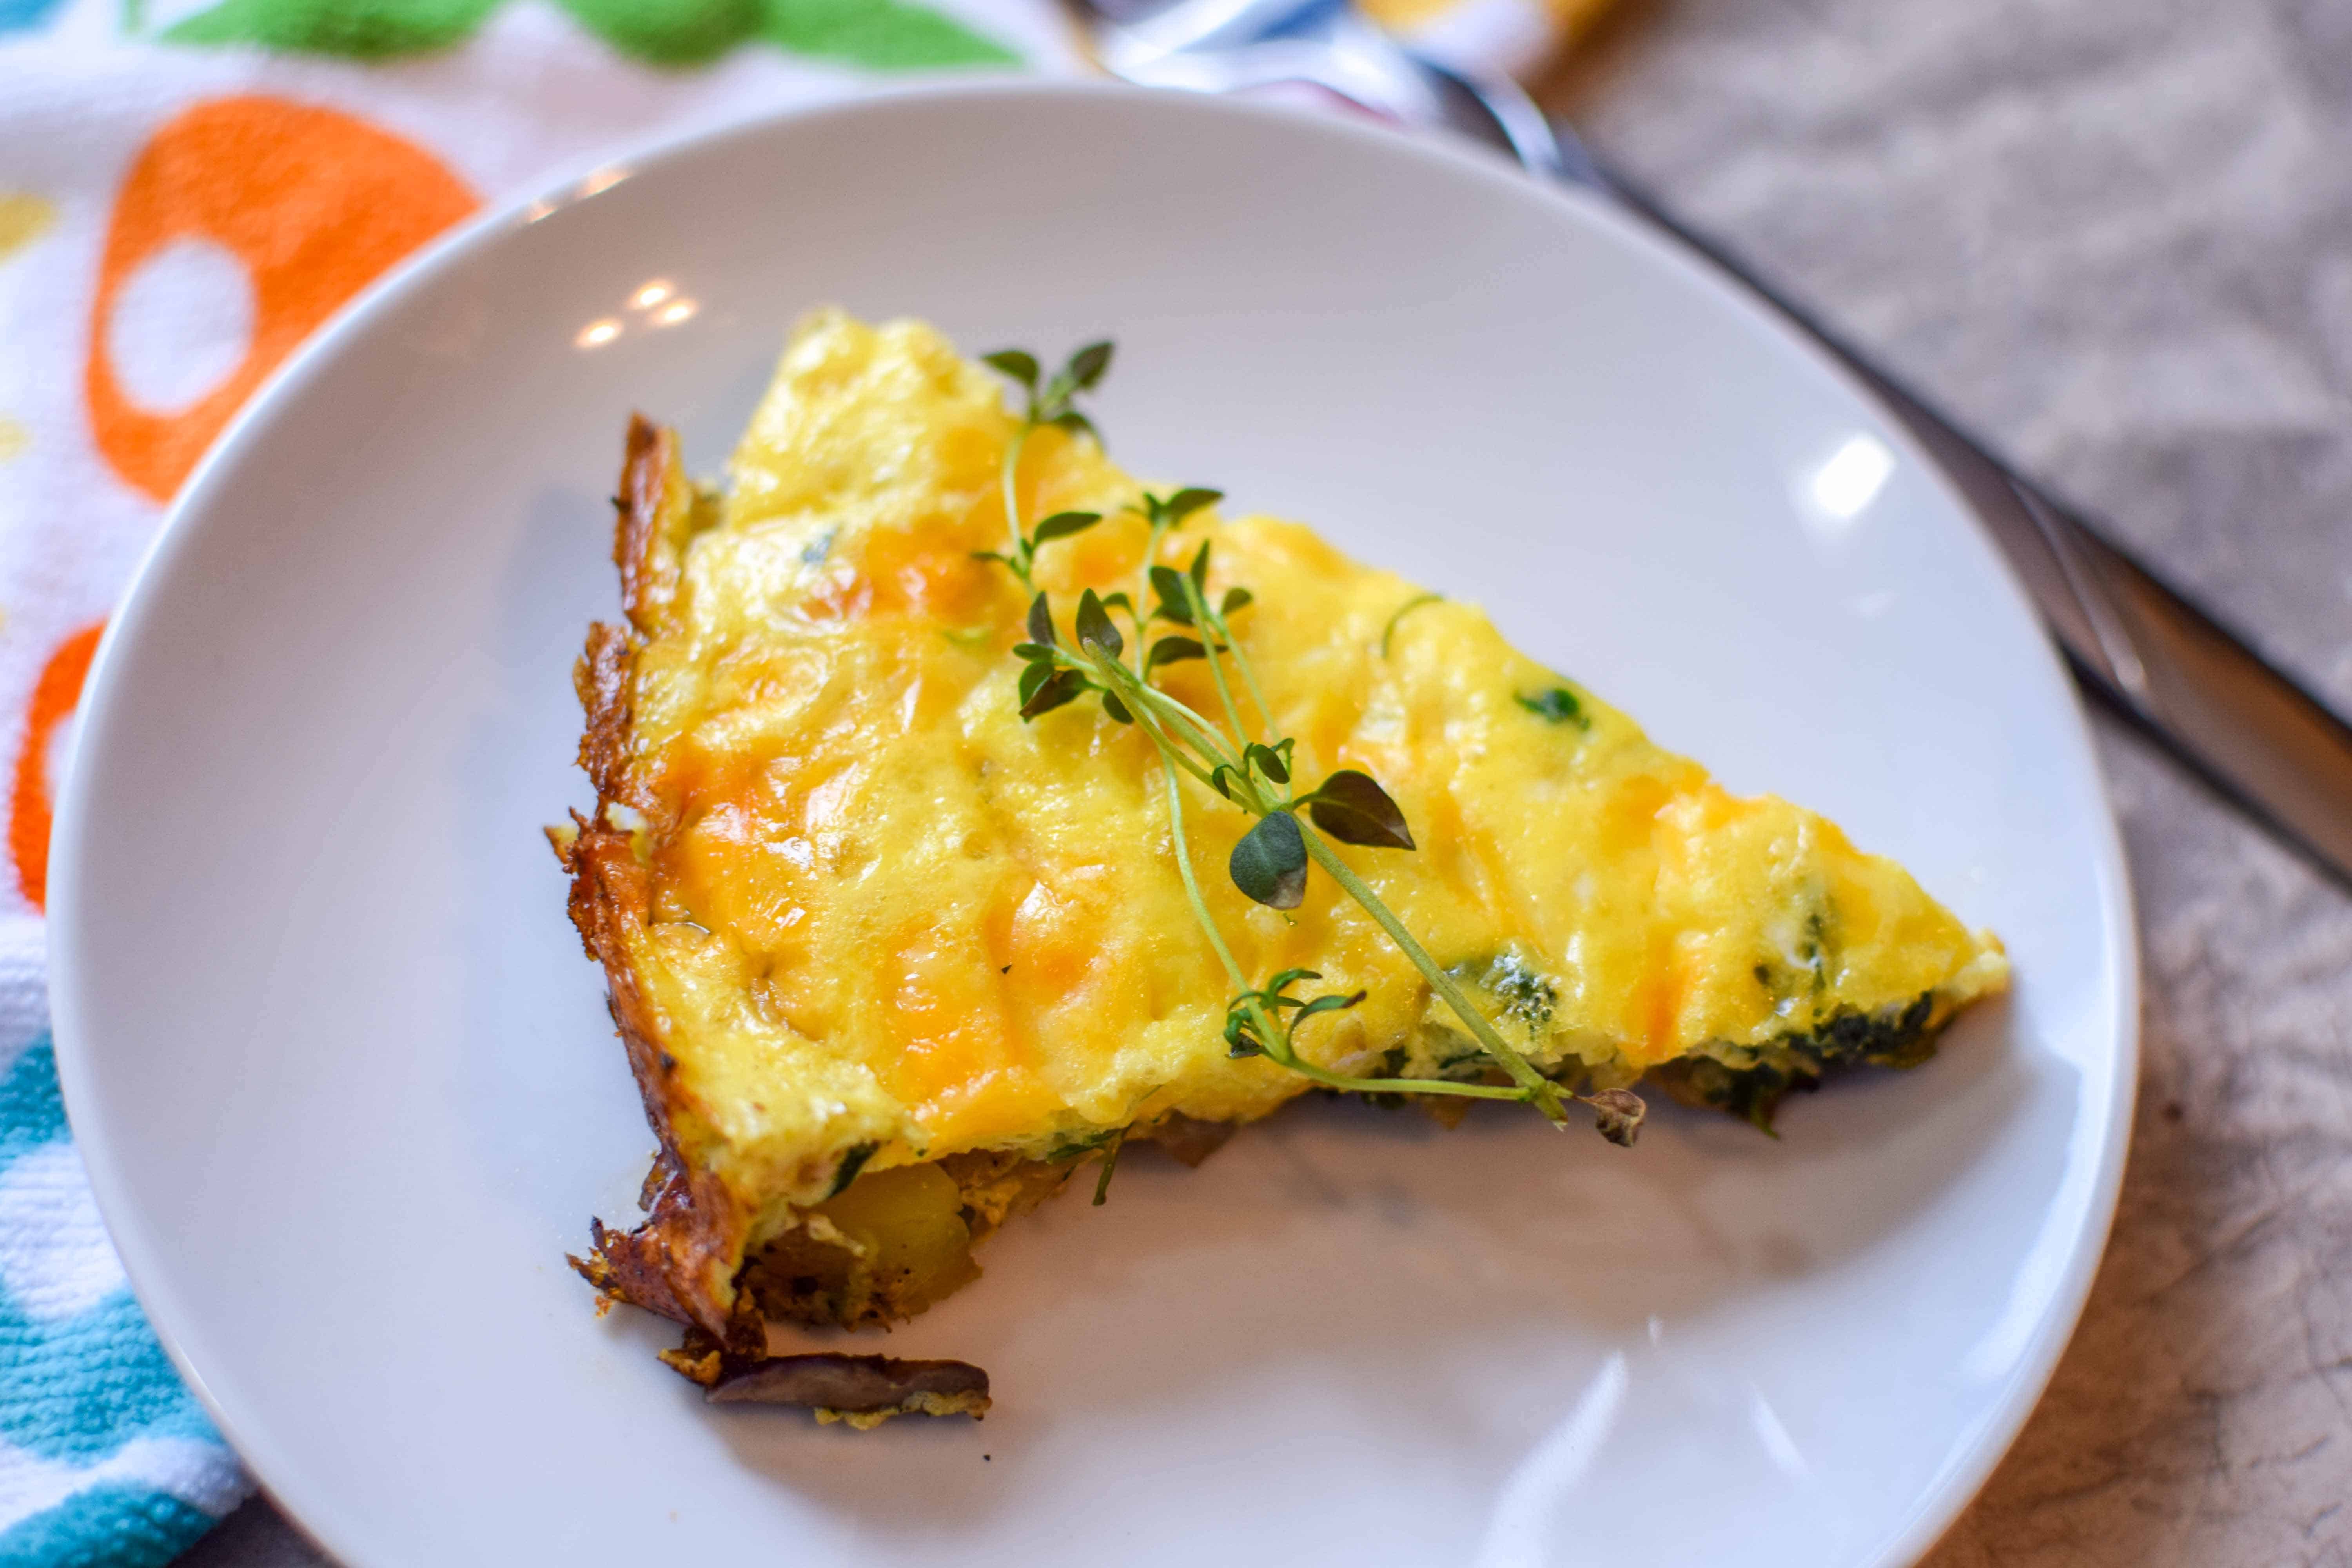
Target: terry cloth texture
188 188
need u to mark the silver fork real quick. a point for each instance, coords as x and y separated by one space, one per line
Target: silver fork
2244 726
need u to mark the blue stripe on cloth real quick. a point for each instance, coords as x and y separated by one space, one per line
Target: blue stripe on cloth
97 1432
18 15
31 1110
110 1526
75 1391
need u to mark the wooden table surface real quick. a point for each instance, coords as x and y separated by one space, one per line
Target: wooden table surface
2115 236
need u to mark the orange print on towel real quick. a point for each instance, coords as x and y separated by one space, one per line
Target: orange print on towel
55 696
313 203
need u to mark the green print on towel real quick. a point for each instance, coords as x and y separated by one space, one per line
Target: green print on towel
878 34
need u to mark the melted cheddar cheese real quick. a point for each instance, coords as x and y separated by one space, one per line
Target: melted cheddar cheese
890 921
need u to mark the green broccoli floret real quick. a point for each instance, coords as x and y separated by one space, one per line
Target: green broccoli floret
1889 1038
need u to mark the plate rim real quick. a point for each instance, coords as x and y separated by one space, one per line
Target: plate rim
1942 1499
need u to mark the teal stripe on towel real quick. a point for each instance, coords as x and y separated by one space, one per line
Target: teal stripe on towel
110 1526
31 1110
78 1386
76 1391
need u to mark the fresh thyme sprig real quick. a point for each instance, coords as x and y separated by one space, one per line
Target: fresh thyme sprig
1048 404
1271 862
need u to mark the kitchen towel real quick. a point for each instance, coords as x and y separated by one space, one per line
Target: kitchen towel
188 188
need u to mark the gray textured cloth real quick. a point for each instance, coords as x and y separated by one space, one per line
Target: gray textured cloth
2116 237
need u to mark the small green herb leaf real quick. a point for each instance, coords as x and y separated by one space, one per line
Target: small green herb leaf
1241 1040
1558 704
1618 1113
1077 424
1018 364
1034 653
1269 863
1354 809
1169 584
1200 571
1063 524
1236 599
1086 365
1217 776
1116 709
1173 650
1096 634
1041 621
1269 761
1059 687
1334 1002
1187 501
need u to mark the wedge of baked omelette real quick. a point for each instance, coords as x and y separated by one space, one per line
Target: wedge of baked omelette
964 808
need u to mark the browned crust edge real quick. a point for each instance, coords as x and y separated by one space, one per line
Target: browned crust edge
684 1261
681 1262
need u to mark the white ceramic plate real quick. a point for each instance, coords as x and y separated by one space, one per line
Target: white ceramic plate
346 1089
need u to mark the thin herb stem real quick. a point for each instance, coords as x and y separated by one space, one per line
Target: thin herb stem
1325 1076
1154 723
1216 631
1241 662
1169 752
1249 676
1012 495
1388 633
1184 865
1144 577
1190 727
1152 706
1168 764
1199 607
1542 1091
1109 1165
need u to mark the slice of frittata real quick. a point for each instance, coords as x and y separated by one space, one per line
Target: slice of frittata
888 959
